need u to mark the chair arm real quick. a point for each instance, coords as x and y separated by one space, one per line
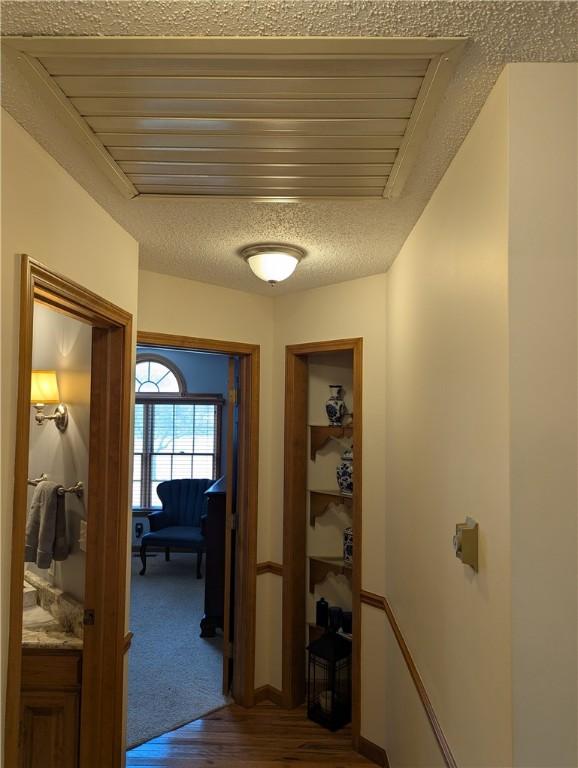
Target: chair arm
158 520
204 517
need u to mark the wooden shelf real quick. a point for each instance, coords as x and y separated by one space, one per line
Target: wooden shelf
316 632
321 567
319 501
321 435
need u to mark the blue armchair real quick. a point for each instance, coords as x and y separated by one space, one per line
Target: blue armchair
178 525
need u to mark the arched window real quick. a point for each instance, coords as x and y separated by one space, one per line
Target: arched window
176 433
154 375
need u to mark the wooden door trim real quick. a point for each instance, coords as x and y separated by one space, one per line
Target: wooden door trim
104 642
294 524
243 688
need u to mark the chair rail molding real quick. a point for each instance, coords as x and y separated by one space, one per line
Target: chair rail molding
381 603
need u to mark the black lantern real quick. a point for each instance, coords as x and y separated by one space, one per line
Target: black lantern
329 683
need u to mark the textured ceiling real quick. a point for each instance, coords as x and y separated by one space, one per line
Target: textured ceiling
344 239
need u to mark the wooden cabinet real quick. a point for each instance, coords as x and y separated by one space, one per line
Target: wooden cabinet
50 709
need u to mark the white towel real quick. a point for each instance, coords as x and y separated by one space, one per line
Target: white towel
46 526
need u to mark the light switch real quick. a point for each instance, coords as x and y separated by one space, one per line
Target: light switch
466 543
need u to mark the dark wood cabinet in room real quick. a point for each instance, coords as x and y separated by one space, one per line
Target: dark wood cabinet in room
214 530
50 708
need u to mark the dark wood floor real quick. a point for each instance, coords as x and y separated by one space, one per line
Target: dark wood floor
263 737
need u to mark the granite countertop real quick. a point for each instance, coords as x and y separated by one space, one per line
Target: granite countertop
41 630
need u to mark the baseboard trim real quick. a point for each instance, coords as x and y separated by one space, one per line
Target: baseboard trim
380 602
269 567
268 693
373 752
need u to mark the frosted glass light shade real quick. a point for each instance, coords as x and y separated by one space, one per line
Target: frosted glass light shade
44 387
272 263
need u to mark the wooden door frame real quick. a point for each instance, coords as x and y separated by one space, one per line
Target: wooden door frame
108 492
243 684
295 522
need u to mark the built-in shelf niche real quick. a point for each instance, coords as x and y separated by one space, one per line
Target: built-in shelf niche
329 510
316 513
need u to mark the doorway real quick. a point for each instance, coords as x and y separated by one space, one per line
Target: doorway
65 703
196 425
185 426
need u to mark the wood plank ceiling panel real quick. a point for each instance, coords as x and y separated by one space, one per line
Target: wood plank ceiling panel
275 192
242 87
235 66
264 118
256 108
211 155
252 141
205 125
303 170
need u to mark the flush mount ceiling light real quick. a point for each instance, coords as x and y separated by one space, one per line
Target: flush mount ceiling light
272 262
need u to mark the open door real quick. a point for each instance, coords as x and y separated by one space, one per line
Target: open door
230 522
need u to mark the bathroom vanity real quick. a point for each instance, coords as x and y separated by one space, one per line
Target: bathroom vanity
50 707
51 676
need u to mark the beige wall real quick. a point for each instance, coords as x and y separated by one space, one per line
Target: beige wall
355 308
481 414
543 398
48 216
447 452
187 308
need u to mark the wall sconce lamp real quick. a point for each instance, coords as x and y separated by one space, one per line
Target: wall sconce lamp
43 392
272 262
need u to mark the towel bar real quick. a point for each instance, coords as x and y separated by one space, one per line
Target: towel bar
77 489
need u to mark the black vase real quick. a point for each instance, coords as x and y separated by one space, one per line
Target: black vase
322 613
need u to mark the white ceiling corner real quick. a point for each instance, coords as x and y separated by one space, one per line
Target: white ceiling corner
345 238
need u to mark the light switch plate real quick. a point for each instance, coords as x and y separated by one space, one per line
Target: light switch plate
466 543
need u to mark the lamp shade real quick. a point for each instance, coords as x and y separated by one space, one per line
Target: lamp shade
44 387
272 263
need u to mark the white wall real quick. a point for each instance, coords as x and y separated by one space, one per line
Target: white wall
64 344
47 215
543 399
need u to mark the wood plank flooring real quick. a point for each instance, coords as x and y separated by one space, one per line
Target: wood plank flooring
265 736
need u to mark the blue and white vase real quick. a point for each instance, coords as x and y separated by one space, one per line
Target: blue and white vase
348 546
335 406
345 473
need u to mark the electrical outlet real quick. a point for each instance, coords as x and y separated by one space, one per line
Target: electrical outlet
138 530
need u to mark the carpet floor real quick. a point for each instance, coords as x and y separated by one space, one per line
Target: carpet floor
175 676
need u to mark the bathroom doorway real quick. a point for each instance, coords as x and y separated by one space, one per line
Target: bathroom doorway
65 702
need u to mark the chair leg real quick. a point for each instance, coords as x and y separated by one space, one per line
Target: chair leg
167 554
143 558
199 561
